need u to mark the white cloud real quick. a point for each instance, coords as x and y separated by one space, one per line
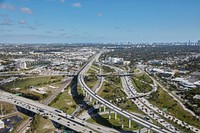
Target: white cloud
99 14
7 7
76 4
22 22
26 10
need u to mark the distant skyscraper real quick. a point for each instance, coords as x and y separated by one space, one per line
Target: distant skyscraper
198 43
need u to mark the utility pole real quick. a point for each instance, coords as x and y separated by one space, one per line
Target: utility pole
1 112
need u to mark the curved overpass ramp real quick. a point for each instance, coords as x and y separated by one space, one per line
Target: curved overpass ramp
111 106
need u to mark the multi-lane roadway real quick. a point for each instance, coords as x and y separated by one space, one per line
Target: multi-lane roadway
50 112
111 106
149 109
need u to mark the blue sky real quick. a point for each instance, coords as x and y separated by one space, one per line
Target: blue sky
74 21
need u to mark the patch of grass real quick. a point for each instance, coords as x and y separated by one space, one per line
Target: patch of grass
6 108
141 87
135 70
90 80
79 90
113 123
111 92
95 67
4 77
106 69
130 106
24 83
91 72
115 80
64 102
42 125
161 99
144 77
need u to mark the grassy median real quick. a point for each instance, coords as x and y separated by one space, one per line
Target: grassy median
163 100
140 86
144 77
117 96
64 102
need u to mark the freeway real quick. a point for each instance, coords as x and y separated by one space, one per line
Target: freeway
149 109
53 114
41 109
129 90
26 123
111 106
61 88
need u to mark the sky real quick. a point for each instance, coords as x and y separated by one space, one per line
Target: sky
99 21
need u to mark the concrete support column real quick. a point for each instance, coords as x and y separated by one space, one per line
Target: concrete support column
122 122
90 99
86 94
115 115
109 116
93 101
104 108
148 130
139 128
97 102
129 123
100 107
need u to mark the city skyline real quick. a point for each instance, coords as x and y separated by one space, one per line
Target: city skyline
69 21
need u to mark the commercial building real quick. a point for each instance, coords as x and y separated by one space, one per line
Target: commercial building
2 125
115 60
185 83
20 65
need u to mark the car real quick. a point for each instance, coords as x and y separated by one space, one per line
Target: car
59 118
58 111
41 110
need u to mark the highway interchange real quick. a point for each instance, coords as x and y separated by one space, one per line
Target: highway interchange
41 109
149 109
80 125
111 106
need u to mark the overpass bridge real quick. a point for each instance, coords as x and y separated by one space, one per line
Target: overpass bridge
111 106
115 74
61 118
137 96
